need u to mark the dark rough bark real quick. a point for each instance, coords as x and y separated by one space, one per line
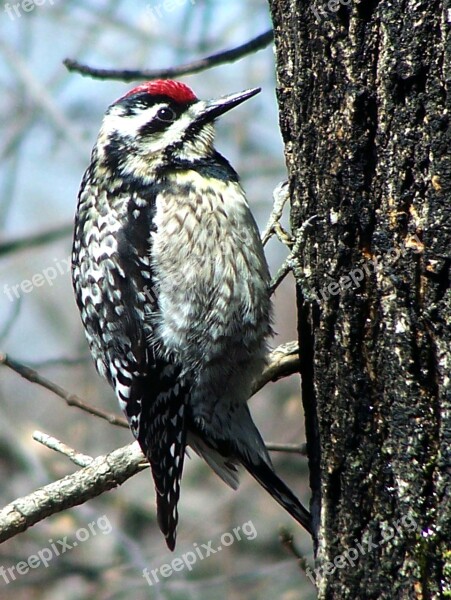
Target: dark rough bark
364 98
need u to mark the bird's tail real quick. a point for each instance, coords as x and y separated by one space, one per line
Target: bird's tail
250 450
166 462
240 441
162 436
268 479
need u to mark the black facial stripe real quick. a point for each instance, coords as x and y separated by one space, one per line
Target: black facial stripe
114 150
212 167
192 131
169 112
189 134
154 126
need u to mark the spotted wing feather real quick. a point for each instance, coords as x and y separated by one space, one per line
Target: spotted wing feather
117 297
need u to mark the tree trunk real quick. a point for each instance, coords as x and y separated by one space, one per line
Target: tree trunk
363 88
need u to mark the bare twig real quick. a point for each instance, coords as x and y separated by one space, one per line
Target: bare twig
292 448
283 361
227 56
82 460
71 399
42 98
99 475
280 275
35 239
286 539
103 474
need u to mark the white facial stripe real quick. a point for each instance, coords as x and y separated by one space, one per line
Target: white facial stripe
204 139
129 125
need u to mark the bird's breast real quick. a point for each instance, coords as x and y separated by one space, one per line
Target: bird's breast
210 270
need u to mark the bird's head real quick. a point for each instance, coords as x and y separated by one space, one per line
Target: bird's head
160 121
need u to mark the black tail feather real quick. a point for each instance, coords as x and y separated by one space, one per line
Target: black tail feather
166 461
268 479
162 436
167 473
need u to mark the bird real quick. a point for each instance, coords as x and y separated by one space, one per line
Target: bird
172 285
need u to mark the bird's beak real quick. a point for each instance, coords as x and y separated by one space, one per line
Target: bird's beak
208 110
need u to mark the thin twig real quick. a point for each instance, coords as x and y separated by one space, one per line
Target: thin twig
41 97
280 275
283 361
35 239
71 399
292 448
226 56
286 539
82 460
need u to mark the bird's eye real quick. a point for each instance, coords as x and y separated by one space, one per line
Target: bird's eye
166 114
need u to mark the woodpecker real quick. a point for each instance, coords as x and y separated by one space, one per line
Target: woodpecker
173 289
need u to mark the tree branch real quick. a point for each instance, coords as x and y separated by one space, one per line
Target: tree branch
71 399
104 473
292 448
282 362
35 239
81 460
226 56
